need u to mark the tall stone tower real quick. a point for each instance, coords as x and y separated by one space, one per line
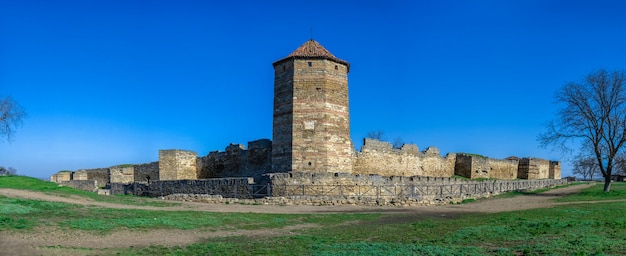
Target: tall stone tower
311 131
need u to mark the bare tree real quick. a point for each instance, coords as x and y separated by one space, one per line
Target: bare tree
7 171
593 115
398 142
621 164
586 167
11 114
377 135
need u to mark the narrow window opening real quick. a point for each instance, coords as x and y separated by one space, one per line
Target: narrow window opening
336 68
310 164
310 64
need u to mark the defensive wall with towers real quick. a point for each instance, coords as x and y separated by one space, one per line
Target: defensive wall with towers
311 135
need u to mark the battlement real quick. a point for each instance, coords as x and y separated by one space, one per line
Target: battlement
236 161
379 157
311 141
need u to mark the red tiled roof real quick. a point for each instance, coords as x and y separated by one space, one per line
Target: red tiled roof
313 49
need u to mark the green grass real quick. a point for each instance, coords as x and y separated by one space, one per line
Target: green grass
576 229
33 184
594 193
27 214
567 230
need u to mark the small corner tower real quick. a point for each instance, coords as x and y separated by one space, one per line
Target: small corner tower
311 129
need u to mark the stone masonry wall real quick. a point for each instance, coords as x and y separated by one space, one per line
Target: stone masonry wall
86 185
362 189
307 178
474 167
177 164
61 176
146 172
311 128
236 161
554 170
122 174
378 157
403 195
533 168
227 187
101 175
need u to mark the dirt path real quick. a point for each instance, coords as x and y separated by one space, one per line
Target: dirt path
31 242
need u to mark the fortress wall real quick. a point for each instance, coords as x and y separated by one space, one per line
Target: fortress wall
378 157
177 164
502 169
337 187
122 174
101 175
61 176
475 167
236 161
86 185
554 170
310 178
146 172
227 187
533 168
467 166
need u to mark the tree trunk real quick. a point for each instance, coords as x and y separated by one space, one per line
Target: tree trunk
607 183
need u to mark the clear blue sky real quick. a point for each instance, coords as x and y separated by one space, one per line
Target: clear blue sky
112 82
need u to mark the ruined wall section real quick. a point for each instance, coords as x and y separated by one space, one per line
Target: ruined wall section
378 157
86 185
61 176
479 167
101 175
237 161
554 172
146 172
120 174
533 169
177 164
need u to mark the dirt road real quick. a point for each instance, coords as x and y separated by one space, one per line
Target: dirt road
30 243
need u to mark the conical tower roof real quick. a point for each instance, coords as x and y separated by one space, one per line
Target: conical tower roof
313 49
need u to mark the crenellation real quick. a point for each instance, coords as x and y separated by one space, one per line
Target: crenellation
379 157
311 152
236 161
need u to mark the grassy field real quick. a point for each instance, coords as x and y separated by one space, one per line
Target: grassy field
595 193
575 229
29 183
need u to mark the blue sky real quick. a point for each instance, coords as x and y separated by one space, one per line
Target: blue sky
112 82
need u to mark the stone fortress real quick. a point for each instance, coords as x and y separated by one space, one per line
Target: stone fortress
311 138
